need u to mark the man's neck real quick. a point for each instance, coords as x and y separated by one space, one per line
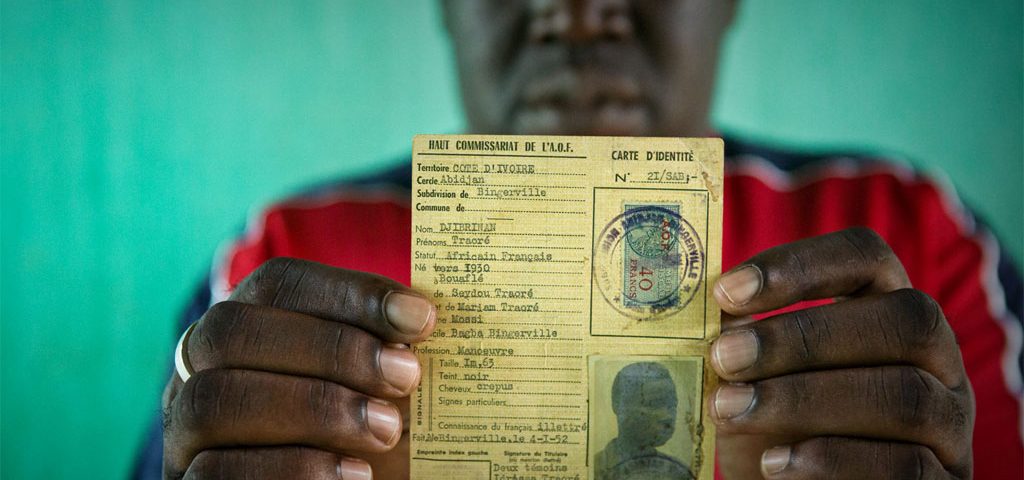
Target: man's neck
623 449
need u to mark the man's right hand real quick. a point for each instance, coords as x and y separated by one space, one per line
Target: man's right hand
297 375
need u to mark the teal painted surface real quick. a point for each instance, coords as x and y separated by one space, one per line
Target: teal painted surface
938 83
136 136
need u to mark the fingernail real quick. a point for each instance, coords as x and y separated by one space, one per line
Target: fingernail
399 368
383 420
735 351
351 469
775 460
741 285
732 400
409 314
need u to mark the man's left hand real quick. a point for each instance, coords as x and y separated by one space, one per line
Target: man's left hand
871 386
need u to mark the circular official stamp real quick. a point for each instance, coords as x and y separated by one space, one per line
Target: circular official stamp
648 261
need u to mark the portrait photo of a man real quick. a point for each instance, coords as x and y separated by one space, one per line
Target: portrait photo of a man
649 404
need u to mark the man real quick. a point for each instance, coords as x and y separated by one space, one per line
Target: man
644 401
301 370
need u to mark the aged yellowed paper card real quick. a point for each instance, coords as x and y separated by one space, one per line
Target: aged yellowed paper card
573 281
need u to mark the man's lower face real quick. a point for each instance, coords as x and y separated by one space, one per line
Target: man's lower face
648 427
628 68
583 99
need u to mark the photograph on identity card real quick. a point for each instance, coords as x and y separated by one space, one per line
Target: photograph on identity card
645 413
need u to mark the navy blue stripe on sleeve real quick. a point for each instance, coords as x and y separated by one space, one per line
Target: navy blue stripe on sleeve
149 462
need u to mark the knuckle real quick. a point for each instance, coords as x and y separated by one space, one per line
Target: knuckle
816 447
274 268
915 398
806 335
820 456
226 310
267 462
326 404
204 465
927 409
198 405
209 345
960 423
365 293
922 323
261 285
796 392
339 413
350 351
791 270
832 463
918 462
868 241
869 246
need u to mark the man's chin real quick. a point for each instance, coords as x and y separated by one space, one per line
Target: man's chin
608 120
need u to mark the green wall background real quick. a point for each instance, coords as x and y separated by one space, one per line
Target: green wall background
136 135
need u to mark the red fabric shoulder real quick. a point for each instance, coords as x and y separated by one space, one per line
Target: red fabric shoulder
359 228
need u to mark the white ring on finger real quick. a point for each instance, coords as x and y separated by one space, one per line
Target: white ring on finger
181 363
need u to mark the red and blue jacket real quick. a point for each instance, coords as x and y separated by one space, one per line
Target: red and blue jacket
771 198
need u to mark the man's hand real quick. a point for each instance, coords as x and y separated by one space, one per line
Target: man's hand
296 376
871 386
